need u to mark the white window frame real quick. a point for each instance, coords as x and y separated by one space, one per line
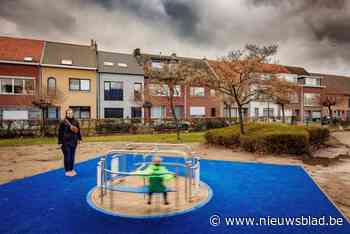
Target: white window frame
308 100
66 61
157 64
194 91
177 91
197 111
162 112
106 63
161 90
15 114
13 78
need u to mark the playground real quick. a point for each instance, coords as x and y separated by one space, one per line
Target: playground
52 203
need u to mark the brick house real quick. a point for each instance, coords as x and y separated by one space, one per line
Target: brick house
19 77
191 101
69 74
339 88
310 89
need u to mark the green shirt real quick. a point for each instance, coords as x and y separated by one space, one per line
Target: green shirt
157 177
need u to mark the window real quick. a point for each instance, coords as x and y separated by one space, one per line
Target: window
312 81
51 86
268 112
197 111
6 86
159 89
197 91
158 112
52 113
213 112
179 111
66 62
108 64
79 84
113 91
17 86
15 114
317 114
114 113
122 65
311 99
28 59
157 64
29 86
177 91
137 91
136 112
81 112
256 112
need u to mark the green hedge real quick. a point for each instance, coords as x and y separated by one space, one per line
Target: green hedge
269 138
228 136
318 135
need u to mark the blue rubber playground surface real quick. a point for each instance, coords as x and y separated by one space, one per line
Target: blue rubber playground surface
53 203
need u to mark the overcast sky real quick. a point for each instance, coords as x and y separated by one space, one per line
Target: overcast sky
314 34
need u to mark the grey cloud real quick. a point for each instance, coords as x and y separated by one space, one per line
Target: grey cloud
310 33
36 16
327 20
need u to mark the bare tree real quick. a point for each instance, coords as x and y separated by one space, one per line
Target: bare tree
329 101
281 91
46 97
172 73
238 75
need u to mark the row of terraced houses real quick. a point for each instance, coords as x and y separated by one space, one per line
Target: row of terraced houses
99 84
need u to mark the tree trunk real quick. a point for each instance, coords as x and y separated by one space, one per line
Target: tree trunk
172 107
283 114
44 122
330 112
241 120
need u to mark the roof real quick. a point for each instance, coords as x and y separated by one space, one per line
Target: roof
274 68
16 49
117 63
297 70
80 55
264 68
335 84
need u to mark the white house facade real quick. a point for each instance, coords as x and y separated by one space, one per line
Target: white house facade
121 84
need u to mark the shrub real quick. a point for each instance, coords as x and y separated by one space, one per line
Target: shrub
266 138
318 135
276 142
206 124
228 136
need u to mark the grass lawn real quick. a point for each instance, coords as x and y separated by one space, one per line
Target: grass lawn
163 138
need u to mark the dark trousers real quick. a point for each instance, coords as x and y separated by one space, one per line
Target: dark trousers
69 156
165 196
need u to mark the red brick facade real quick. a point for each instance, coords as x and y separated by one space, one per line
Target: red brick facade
17 70
211 103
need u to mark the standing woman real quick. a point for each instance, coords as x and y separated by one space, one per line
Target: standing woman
68 138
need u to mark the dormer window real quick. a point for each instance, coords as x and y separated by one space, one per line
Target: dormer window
28 59
66 62
122 65
110 64
157 64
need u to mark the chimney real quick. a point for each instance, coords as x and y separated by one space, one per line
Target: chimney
137 52
93 44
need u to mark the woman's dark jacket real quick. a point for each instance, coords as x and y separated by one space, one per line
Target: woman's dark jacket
66 136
